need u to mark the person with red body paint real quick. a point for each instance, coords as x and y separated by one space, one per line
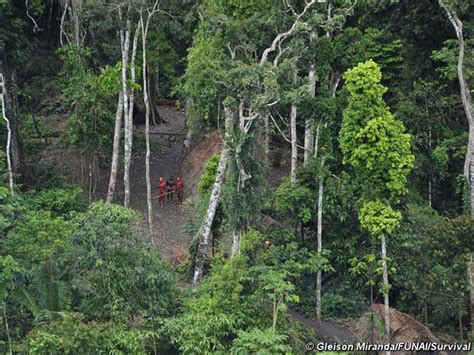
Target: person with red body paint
179 188
162 189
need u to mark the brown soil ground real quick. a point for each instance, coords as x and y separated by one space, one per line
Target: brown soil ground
195 160
167 148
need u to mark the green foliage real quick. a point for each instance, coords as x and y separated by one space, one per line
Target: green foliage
59 201
365 103
8 269
337 305
246 294
373 142
257 341
386 50
203 72
74 336
38 237
211 318
448 56
295 201
245 189
208 177
110 261
60 255
434 252
379 217
383 152
93 98
9 207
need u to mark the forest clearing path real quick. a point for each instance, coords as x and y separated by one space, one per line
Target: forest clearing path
328 330
167 152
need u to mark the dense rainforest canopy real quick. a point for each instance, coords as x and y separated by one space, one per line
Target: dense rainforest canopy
326 149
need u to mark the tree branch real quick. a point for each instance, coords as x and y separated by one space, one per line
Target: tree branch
282 36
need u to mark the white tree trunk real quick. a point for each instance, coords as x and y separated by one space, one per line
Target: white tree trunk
294 147
9 135
115 149
267 137
466 101
129 123
205 231
236 242
125 44
147 120
385 296
470 275
320 242
147 132
469 166
308 123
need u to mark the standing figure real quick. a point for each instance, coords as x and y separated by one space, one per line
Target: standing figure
179 188
162 190
170 188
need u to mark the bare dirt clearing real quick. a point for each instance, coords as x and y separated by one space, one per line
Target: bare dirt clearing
167 150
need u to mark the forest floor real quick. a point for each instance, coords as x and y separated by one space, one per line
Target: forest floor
327 330
167 152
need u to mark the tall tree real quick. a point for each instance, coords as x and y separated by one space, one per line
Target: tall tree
214 199
125 47
450 10
9 135
129 119
253 108
373 142
144 27
115 149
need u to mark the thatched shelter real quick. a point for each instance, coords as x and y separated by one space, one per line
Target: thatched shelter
403 328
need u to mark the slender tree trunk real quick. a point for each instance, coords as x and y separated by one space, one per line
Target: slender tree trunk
320 203
467 105
213 201
7 328
147 123
267 137
89 176
14 116
62 34
430 178
470 273
470 167
320 242
308 123
9 135
334 82
294 147
76 6
115 149
466 101
236 242
316 140
129 122
125 44
385 284
275 311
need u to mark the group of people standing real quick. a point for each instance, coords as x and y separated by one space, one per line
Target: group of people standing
169 188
